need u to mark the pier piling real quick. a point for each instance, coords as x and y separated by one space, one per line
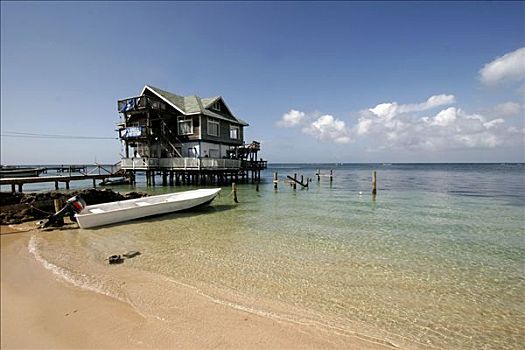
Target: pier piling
374 183
58 204
234 190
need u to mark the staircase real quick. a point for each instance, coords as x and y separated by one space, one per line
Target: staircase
165 135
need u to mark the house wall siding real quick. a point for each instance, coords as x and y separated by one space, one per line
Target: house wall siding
224 132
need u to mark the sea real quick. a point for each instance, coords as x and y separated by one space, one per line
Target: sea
435 260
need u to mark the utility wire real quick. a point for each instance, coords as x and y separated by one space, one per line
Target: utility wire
52 136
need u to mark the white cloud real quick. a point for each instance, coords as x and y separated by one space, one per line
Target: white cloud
445 117
390 110
291 118
507 109
328 128
510 66
325 127
412 127
403 127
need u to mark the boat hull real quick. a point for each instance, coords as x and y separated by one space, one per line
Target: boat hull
20 172
115 212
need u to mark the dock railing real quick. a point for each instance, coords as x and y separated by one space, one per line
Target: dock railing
184 163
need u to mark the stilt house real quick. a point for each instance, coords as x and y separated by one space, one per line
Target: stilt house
193 138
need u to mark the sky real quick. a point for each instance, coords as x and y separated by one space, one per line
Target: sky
317 81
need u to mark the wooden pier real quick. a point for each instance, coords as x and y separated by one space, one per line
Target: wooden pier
67 168
185 171
21 181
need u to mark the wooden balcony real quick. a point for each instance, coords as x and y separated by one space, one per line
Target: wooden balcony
140 103
254 164
180 164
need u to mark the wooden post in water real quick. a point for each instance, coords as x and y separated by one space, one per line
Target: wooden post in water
58 204
295 181
234 190
331 175
374 183
257 186
275 181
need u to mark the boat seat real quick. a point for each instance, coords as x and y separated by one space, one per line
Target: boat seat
141 204
97 211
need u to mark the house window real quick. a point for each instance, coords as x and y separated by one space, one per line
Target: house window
234 132
185 125
216 106
213 127
192 152
214 153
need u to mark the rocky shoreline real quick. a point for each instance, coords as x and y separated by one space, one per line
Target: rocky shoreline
16 208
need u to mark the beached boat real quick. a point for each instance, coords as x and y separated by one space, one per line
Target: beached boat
110 213
14 171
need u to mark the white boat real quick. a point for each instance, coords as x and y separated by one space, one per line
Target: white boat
110 213
8 171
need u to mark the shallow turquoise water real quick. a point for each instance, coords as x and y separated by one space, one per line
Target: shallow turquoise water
435 260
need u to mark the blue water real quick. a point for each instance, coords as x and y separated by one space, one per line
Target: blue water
435 260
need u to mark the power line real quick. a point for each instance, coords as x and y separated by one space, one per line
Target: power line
53 136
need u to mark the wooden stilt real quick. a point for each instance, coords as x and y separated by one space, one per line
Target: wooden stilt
374 183
234 189
58 204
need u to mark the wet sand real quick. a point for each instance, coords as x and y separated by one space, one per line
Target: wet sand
38 310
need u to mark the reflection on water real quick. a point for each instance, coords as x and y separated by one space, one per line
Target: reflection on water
435 261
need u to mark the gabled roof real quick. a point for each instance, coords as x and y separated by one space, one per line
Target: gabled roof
190 105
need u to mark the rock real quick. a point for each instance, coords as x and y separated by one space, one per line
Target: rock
19 207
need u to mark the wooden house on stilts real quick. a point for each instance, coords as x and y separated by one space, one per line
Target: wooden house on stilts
185 139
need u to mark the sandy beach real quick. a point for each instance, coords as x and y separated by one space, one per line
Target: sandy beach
40 310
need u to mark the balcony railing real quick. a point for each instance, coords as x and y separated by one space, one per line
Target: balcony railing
139 102
180 163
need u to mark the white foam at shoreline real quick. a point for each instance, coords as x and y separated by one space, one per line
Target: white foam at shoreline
67 275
